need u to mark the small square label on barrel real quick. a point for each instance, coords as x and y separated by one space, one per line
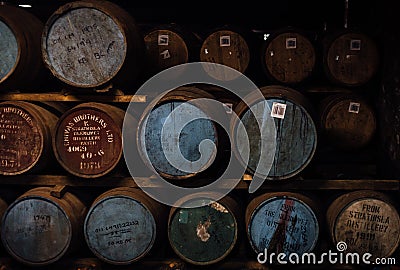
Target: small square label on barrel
228 107
355 45
163 40
291 43
225 41
165 54
354 107
278 110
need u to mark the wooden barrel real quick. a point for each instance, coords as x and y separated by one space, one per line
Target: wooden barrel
26 131
150 142
282 222
296 133
20 58
123 224
226 47
88 44
367 221
39 228
169 45
3 207
88 139
347 121
204 235
350 58
288 56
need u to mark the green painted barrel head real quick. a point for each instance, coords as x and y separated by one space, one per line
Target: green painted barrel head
203 235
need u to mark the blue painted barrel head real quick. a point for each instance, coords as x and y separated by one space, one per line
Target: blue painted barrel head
296 137
9 51
189 139
120 230
283 225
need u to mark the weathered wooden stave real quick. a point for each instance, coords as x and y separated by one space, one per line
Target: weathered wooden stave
350 58
347 121
288 56
116 46
191 242
24 68
300 105
367 221
97 153
115 204
56 231
286 205
34 126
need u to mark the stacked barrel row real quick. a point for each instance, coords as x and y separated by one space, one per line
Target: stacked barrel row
123 225
89 44
87 139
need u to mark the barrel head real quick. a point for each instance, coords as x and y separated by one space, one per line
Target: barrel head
120 230
203 235
88 141
36 231
283 225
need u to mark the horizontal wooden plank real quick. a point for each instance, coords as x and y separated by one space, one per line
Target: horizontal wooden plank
74 98
288 184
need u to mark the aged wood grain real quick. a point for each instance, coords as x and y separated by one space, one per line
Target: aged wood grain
350 58
122 225
288 57
347 121
282 222
165 48
367 221
39 229
228 48
87 44
20 59
25 134
204 235
150 137
296 134
88 139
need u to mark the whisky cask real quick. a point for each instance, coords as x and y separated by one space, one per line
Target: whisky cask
282 222
157 152
3 207
39 228
350 58
88 44
366 221
88 141
169 45
288 57
226 47
207 234
123 224
296 132
26 131
20 59
347 121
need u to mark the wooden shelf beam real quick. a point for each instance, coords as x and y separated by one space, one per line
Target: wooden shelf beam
115 181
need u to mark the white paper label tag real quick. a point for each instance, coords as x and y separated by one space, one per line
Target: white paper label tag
163 40
291 43
165 54
278 110
355 45
225 41
228 107
354 107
